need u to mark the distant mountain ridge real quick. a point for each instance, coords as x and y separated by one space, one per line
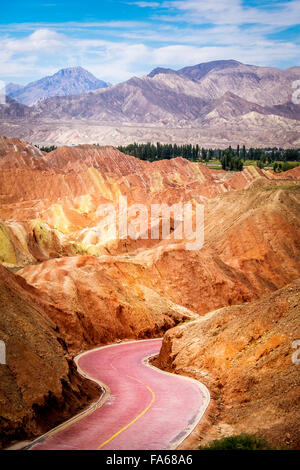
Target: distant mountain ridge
185 96
197 71
68 81
226 100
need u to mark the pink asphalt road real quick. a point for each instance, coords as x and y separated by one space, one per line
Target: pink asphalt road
144 408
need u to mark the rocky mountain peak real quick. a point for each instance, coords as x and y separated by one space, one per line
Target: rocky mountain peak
67 81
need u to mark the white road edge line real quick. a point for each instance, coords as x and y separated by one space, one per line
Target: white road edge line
202 409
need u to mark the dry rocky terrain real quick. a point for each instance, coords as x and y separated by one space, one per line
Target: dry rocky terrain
66 287
39 384
243 354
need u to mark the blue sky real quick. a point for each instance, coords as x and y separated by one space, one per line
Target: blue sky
116 39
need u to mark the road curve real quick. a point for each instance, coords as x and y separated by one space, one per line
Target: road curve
142 407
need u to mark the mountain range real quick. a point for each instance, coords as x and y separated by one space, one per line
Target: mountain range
215 104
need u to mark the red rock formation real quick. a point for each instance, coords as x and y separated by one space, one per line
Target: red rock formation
17 154
251 248
49 202
244 354
39 387
96 305
96 289
291 174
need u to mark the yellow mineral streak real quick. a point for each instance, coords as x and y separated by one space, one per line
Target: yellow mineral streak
198 172
20 233
268 174
100 183
7 252
84 203
175 178
156 181
253 172
59 219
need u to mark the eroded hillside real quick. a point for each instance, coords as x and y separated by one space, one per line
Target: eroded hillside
96 303
78 285
39 384
49 203
243 354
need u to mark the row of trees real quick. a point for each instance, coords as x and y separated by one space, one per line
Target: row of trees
47 149
230 158
195 153
160 151
231 161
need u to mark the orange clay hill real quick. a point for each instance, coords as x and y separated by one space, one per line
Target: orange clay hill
39 384
73 281
243 354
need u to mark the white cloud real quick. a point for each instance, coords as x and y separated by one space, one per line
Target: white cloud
193 32
44 52
234 12
72 26
147 4
41 40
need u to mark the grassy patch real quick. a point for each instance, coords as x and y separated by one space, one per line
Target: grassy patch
186 321
238 442
290 187
78 249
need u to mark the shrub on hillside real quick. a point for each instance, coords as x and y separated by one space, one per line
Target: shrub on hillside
238 442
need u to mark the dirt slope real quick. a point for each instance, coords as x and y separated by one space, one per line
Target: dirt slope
251 249
84 288
49 203
39 386
243 354
96 305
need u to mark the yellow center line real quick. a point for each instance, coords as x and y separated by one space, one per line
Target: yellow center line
136 418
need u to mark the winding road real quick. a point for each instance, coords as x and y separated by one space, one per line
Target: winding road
142 407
